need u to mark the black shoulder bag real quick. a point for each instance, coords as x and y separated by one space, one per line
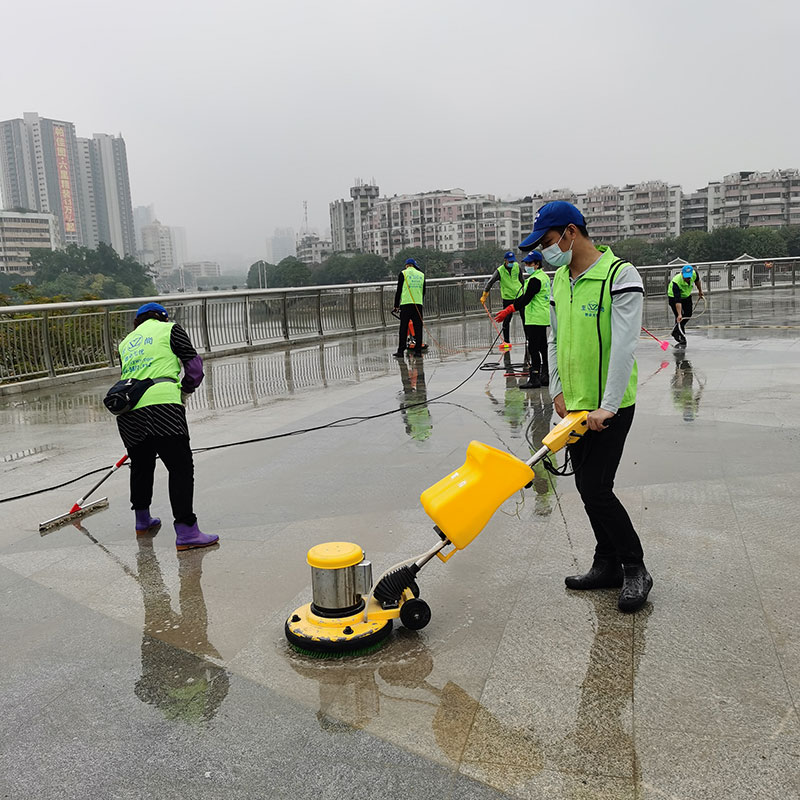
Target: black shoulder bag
124 395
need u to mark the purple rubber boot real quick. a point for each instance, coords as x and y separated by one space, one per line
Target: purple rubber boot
190 536
145 523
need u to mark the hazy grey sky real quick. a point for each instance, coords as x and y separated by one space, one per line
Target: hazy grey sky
235 112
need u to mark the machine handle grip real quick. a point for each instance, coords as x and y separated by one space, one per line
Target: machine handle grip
446 558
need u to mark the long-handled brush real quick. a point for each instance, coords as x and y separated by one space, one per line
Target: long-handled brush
79 509
664 345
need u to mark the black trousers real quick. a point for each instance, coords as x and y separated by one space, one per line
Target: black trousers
536 336
176 454
410 313
679 331
507 321
595 459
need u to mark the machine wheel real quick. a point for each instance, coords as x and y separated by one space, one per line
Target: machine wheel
415 614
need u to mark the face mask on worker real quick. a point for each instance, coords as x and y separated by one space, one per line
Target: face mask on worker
557 257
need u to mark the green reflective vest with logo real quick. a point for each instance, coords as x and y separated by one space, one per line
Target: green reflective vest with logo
413 281
683 285
537 312
510 285
145 353
583 334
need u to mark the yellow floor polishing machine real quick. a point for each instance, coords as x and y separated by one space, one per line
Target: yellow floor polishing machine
347 616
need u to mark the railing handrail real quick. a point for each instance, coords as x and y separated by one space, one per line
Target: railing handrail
238 293
183 296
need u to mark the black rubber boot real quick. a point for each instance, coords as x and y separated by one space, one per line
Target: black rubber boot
399 355
544 378
533 381
636 586
604 574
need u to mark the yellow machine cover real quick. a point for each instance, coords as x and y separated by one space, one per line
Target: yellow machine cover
463 502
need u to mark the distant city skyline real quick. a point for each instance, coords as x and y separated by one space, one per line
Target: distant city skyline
229 132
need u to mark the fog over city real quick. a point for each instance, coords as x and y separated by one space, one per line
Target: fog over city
235 113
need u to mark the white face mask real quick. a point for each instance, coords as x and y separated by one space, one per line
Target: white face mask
557 257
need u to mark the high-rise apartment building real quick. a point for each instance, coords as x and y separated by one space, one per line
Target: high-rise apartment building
281 245
158 249
311 249
84 183
22 232
447 220
761 199
142 215
452 221
202 269
41 171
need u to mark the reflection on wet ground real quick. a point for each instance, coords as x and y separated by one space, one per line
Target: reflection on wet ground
174 666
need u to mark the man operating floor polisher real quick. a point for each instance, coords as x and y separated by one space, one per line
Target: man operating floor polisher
347 617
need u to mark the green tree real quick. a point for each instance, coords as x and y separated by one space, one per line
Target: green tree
637 251
482 260
369 268
258 273
76 272
335 270
765 243
291 272
433 263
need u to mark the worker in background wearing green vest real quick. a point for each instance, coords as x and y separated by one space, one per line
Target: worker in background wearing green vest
156 426
534 305
408 301
679 295
595 320
511 282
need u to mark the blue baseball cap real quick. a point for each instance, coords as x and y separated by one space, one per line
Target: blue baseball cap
509 256
557 214
157 307
412 262
687 271
533 256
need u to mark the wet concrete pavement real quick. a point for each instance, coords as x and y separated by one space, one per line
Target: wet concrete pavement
131 671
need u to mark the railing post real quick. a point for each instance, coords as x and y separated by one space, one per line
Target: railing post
772 274
319 311
794 271
352 304
107 337
204 330
285 316
750 272
48 356
439 300
383 310
463 299
730 278
248 333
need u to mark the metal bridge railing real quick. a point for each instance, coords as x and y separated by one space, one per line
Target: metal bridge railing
60 338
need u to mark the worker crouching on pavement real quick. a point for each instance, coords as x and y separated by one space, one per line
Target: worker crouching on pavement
534 305
156 426
511 281
595 318
408 301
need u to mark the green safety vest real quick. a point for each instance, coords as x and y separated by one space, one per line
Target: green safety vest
413 281
684 285
583 344
537 312
145 353
510 285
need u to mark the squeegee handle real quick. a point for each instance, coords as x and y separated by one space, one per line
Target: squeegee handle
102 480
